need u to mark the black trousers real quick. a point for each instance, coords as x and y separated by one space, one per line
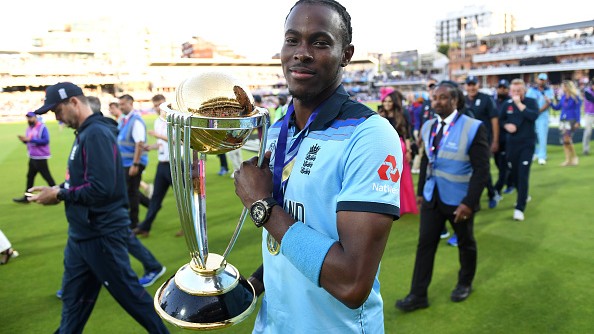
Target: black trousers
39 166
223 159
103 261
519 158
162 183
133 185
434 215
503 178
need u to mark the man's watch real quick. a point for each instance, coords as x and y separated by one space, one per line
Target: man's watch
60 195
260 211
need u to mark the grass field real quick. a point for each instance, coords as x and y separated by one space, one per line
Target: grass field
533 277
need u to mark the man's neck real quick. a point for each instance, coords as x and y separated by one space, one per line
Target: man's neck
302 113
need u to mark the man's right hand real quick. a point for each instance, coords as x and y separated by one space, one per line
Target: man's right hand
419 201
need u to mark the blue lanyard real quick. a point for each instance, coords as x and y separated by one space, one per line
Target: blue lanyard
283 158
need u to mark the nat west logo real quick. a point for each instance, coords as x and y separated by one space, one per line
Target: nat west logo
388 170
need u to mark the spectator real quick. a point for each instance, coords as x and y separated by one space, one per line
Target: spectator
588 116
6 251
543 95
37 140
569 121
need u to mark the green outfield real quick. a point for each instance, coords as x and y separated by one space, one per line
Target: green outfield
534 276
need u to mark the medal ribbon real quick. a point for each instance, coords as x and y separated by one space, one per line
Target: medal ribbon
285 160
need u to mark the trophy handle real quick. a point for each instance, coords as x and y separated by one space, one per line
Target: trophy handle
244 212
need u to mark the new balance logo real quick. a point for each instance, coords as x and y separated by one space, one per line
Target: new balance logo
388 169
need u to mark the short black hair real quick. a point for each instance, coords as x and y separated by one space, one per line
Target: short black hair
158 97
127 97
347 32
455 93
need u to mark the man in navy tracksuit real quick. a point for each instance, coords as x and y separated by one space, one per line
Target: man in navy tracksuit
483 108
518 116
95 199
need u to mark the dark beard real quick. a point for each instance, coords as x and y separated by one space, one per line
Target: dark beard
502 97
31 123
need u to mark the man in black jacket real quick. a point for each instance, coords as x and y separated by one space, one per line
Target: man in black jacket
483 108
518 115
95 200
454 171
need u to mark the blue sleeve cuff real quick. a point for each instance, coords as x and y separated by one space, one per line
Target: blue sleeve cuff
306 249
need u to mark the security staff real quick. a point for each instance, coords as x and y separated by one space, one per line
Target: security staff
453 174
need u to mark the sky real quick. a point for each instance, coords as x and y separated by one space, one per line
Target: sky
255 28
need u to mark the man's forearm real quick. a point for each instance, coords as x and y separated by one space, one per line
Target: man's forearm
138 148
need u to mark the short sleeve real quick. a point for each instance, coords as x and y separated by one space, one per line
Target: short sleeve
372 170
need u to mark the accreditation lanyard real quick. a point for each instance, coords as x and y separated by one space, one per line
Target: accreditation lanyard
434 149
283 159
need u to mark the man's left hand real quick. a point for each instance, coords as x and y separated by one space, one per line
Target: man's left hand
44 195
463 213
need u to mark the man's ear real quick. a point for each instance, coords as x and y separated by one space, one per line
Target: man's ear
347 54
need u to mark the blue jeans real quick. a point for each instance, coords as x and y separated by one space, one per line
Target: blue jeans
542 131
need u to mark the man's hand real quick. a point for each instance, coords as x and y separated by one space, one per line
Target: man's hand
494 147
23 139
44 195
419 201
133 171
511 128
463 213
253 183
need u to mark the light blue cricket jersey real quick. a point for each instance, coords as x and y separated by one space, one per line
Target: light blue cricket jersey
350 160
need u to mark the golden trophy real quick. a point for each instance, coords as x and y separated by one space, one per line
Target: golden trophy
212 114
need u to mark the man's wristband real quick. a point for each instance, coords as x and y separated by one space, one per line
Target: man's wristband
136 164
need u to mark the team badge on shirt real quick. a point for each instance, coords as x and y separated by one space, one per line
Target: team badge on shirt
309 159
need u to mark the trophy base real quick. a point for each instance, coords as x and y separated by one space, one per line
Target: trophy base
218 304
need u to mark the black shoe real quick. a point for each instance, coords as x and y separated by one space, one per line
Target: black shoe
23 200
460 293
411 303
140 232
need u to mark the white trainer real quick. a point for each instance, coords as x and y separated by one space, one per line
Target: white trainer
518 215
542 162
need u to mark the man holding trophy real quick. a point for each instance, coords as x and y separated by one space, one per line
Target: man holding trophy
327 191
